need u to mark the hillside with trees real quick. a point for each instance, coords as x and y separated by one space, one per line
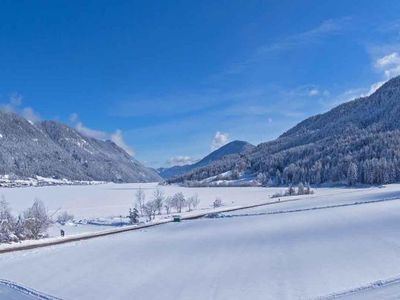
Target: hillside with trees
356 142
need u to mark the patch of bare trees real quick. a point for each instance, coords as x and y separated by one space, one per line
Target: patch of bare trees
31 224
291 191
160 203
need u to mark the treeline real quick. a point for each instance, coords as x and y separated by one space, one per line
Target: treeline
291 191
159 203
357 156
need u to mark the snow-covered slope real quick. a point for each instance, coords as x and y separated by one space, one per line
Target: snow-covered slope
356 142
53 150
296 253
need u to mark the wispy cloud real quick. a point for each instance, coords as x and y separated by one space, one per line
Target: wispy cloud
14 104
220 139
97 134
324 29
389 65
116 137
180 161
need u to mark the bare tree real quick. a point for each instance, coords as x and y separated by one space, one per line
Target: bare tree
36 220
179 202
168 204
140 200
64 217
158 200
150 210
217 203
7 222
193 202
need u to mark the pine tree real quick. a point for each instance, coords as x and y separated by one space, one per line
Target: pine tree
133 216
352 174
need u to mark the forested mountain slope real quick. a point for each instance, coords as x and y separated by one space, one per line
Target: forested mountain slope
51 149
356 142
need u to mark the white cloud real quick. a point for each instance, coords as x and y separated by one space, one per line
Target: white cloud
73 118
219 140
118 139
180 161
313 92
14 104
29 114
374 87
389 64
97 134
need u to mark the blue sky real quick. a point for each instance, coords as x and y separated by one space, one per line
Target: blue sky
172 80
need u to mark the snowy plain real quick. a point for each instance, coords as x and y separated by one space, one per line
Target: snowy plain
287 250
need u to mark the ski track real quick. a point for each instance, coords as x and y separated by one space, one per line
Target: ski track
364 288
223 215
22 290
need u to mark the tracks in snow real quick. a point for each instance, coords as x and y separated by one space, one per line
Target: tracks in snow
364 288
28 292
309 208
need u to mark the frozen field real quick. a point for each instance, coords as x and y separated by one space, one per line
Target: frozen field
105 200
295 253
88 202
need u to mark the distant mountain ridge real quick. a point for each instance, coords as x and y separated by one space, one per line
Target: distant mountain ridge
355 142
54 150
228 149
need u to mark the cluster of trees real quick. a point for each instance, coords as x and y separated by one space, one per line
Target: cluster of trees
31 224
160 203
64 217
367 157
359 156
291 191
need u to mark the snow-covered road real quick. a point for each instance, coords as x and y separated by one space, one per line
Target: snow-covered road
306 254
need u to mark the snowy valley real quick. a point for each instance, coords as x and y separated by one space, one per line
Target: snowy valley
337 242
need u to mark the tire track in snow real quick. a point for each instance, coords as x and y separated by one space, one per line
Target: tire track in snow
368 287
278 212
26 291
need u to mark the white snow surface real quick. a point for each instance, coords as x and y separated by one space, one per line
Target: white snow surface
104 200
311 247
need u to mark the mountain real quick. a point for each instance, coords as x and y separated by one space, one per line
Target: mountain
54 150
356 142
228 149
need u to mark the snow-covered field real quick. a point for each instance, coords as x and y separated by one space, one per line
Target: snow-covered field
336 242
110 202
103 200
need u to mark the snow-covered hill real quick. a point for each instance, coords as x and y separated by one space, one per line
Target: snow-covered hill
356 142
234 147
53 150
